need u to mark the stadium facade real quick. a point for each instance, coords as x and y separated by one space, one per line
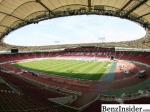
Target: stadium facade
26 89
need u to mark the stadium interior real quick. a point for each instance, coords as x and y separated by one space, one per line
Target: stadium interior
67 78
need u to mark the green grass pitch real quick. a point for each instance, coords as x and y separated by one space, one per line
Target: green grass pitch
84 70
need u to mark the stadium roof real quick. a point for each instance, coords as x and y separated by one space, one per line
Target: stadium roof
17 13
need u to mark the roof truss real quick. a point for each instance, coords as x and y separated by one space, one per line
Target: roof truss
12 16
135 7
41 3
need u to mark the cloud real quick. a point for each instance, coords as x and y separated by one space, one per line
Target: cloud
76 29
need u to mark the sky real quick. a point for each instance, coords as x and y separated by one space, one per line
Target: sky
75 30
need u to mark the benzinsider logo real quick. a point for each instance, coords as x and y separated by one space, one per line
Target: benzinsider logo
125 108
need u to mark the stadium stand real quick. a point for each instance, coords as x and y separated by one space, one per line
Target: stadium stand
57 82
33 97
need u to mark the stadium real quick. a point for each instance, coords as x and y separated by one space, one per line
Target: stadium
73 77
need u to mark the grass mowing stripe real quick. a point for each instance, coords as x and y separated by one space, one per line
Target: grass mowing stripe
70 68
75 71
43 62
66 63
93 75
109 73
97 68
87 70
78 67
84 71
63 67
58 67
53 63
40 67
